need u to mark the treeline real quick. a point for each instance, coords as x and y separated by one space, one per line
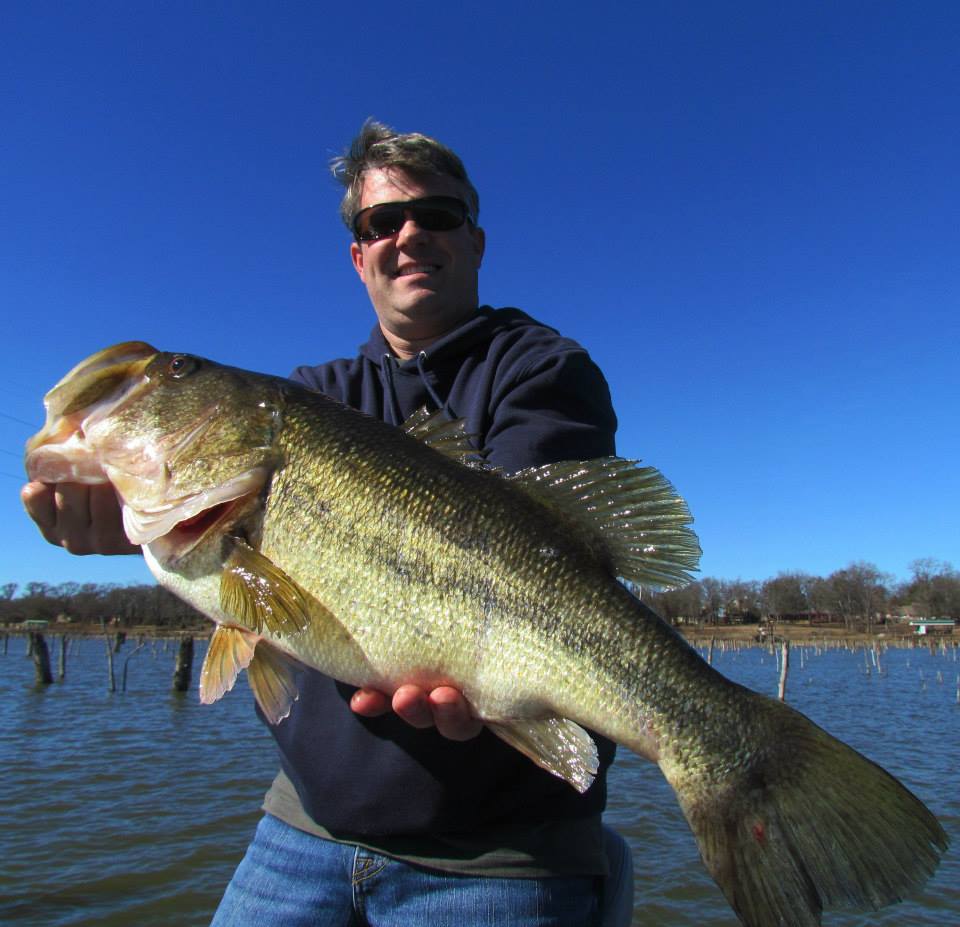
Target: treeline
858 595
98 603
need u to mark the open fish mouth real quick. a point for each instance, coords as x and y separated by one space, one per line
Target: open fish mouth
174 530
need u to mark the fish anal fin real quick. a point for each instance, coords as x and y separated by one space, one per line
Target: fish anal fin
631 513
230 651
258 594
559 745
271 678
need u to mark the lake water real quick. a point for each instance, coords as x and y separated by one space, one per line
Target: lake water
134 808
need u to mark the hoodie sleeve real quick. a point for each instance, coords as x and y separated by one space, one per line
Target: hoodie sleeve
557 408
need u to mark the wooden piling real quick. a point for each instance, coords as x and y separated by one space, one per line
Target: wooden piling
111 680
184 665
784 668
62 661
123 677
41 659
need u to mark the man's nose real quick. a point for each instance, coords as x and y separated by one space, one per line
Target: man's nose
410 231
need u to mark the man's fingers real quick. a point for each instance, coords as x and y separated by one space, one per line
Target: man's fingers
72 502
369 703
106 522
37 499
452 714
444 708
411 704
82 519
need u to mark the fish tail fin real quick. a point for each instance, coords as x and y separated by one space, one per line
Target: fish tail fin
808 824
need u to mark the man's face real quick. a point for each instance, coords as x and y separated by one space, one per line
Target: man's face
421 283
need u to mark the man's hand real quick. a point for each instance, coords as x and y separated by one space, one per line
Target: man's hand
81 519
444 708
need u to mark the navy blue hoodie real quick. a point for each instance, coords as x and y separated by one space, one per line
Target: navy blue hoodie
531 397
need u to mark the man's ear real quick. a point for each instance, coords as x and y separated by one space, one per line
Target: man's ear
479 243
356 256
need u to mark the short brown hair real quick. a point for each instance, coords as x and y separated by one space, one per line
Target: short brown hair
377 145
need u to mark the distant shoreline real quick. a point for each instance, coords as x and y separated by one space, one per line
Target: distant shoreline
803 634
799 633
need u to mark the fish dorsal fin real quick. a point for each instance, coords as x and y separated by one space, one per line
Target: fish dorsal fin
633 512
258 594
271 678
448 436
230 650
558 745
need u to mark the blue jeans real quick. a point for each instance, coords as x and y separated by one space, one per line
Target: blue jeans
294 879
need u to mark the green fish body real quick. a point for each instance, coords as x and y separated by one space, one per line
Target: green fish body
311 533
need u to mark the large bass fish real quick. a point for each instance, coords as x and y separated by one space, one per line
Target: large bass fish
309 532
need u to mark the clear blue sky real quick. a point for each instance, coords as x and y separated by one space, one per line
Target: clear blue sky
746 211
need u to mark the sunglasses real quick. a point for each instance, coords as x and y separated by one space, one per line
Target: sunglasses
433 213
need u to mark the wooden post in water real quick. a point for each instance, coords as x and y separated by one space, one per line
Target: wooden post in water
184 665
62 661
123 677
41 658
111 681
713 640
784 667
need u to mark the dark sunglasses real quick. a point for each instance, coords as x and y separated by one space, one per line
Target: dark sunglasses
433 213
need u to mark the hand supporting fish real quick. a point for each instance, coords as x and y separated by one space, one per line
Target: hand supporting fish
80 518
310 533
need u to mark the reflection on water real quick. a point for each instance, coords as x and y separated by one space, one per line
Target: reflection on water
134 808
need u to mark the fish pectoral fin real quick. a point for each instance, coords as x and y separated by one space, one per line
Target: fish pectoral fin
258 594
558 745
230 650
271 678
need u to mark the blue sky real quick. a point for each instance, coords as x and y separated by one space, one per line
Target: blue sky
747 212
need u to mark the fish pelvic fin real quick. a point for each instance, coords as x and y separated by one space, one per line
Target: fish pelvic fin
229 652
256 592
808 826
271 675
559 745
632 513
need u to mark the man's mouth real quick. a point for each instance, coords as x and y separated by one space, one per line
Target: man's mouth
410 270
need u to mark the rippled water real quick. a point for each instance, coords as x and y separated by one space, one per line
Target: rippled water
134 808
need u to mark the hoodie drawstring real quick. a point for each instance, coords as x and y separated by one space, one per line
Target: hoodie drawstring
392 410
392 403
437 401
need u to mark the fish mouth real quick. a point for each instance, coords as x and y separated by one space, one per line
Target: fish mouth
173 529
193 531
90 392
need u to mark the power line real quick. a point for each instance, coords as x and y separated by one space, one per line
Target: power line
13 418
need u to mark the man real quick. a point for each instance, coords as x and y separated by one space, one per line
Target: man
399 808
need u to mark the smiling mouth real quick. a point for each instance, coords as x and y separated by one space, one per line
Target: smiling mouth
414 269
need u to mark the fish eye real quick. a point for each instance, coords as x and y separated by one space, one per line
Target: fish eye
181 365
